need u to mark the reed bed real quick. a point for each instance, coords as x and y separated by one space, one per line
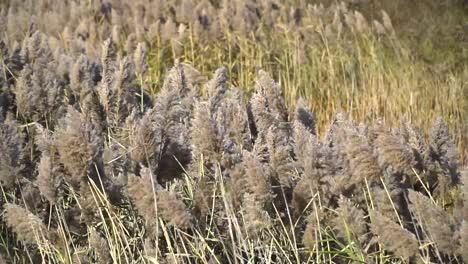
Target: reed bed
230 132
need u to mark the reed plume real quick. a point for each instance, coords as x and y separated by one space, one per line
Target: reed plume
12 144
250 177
361 160
79 147
393 237
395 158
315 161
267 102
439 225
49 178
27 226
100 247
442 160
152 202
349 222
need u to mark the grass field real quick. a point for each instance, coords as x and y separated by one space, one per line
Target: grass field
261 131
417 75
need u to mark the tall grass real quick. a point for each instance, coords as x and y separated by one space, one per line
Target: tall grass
363 73
233 132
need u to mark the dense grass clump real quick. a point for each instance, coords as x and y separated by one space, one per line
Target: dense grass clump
229 132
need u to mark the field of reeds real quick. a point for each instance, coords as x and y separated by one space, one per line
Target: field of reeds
259 131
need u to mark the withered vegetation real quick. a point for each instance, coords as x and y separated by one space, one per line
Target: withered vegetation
109 156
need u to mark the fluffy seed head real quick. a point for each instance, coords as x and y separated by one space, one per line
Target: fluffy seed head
393 237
